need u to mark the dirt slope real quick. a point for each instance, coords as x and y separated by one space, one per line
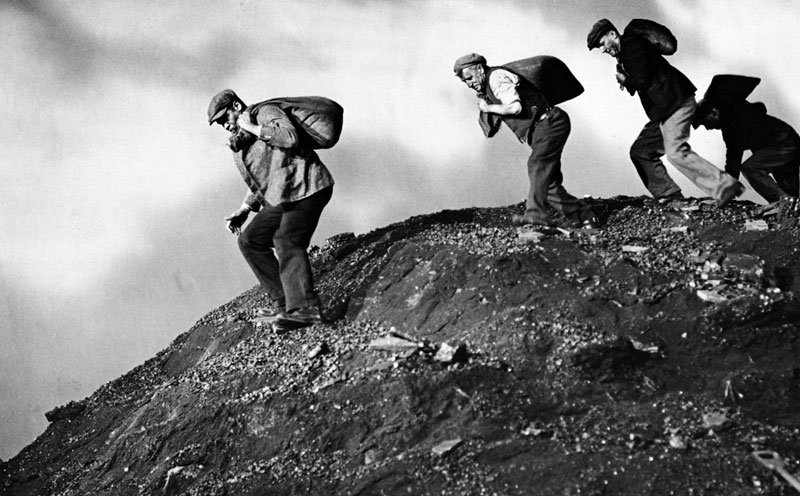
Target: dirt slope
649 357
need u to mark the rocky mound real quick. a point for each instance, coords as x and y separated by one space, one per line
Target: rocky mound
652 356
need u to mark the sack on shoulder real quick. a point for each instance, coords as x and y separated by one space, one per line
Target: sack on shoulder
658 35
725 89
319 118
549 75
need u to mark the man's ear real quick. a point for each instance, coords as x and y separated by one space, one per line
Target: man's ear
237 106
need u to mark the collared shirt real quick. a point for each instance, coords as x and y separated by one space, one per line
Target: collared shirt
277 167
504 86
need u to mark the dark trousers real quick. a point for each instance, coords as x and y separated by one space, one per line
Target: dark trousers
782 161
288 229
544 168
646 152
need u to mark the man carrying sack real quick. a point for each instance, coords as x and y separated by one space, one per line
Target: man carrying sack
773 168
504 95
667 96
289 186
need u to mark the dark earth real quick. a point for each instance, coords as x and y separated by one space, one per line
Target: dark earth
650 356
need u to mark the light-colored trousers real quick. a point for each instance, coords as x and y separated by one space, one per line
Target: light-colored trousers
671 137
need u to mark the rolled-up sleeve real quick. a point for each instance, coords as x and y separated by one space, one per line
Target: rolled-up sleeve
504 86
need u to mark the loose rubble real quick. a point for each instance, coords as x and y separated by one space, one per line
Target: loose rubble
649 356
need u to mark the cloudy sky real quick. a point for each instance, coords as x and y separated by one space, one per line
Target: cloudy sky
113 188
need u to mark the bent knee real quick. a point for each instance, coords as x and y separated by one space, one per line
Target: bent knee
247 243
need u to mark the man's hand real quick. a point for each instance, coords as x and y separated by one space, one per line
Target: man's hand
483 105
621 78
236 219
245 123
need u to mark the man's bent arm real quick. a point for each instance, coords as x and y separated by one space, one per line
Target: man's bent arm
512 108
277 130
733 160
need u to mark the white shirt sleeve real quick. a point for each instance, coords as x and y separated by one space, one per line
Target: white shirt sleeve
504 86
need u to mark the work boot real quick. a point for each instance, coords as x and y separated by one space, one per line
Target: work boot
677 196
268 313
297 318
527 220
734 190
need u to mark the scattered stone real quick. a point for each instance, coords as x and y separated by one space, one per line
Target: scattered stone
372 455
537 429
634 249
645 347
750 266
393 343
677 441
381 365
180 478
451 354
679 229
717 419
527 235
446 446
698 257
711 296
756 225
318 350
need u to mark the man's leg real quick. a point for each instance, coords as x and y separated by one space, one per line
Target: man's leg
788 176
298 222
714 182
544 168
256 245
570 207
775 161
646 152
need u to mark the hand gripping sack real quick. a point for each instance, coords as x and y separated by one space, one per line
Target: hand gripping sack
659 36
549 75
319 118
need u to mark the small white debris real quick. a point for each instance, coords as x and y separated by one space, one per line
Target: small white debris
634 248
446 446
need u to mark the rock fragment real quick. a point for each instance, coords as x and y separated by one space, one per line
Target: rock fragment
711 296
446 446
634 249
393 343
451 354
756 225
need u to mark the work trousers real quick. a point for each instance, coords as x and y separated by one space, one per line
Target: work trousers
286 228
782 160
544 168
671 137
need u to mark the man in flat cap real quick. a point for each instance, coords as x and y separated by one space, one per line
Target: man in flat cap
773 168
288 188
668 99
535 122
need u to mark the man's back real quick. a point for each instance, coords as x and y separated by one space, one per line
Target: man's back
747 126
661 87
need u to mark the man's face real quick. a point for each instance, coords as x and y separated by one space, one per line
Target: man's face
474 76
711 120
609 44
228 121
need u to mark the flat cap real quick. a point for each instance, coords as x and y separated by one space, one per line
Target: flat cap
600 28
221 102
468 60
